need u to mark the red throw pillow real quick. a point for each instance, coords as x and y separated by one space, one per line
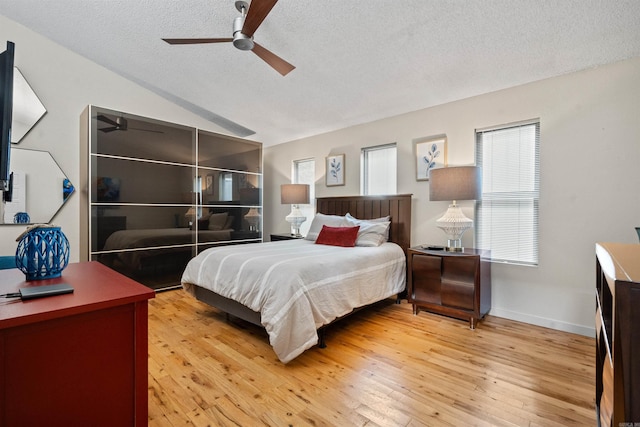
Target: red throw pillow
338 236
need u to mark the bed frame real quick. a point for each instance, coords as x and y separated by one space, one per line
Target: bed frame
398 207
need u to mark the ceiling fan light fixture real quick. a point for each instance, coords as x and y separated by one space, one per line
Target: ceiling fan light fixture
242 41
122 123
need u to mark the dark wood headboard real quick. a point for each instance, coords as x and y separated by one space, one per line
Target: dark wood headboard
398 207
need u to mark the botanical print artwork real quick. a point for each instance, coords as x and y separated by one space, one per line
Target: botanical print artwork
431 153
335 170
336 167
430 158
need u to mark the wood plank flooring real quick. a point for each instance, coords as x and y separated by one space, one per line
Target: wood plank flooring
382 366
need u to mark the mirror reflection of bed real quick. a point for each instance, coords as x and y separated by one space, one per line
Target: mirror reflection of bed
157 257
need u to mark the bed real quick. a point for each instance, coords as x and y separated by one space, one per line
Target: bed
275 284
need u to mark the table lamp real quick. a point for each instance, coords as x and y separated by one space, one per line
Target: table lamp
455 183
295 194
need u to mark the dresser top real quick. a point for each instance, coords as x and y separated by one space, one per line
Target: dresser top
96 287
619 261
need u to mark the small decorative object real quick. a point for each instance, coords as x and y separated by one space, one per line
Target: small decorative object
108 189
455 183
43 252
335 170
191 216
295 194
253 219
67 189
21 218
431 153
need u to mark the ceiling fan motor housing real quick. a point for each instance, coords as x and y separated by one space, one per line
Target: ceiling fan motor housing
240 40
122 123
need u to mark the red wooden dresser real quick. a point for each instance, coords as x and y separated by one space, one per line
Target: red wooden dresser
75 359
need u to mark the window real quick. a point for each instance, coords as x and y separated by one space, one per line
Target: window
226 186
379 174
304 172
507 215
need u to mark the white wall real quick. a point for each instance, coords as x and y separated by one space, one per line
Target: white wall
66 83
590 180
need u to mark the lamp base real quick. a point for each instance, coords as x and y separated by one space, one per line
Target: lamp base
454 245
295 218
454 223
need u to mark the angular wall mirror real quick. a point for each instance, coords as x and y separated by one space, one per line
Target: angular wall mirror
27 108
39 188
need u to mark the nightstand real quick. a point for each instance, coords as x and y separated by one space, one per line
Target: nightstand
285 236
245 235
455 284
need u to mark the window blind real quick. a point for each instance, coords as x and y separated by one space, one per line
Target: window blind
304 172
379 170
507 215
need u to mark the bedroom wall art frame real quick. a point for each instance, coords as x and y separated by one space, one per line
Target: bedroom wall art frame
335 170
431 153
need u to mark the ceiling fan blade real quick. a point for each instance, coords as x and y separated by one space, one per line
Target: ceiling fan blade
277 63
258 10
105 130
198 41
146 130
106 119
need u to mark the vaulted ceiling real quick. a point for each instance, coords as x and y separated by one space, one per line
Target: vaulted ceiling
356 61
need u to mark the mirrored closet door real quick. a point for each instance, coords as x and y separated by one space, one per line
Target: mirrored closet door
158 193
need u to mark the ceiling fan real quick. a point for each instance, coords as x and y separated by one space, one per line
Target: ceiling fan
119 123
243 28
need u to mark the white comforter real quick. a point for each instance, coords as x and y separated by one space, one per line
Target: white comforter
298 286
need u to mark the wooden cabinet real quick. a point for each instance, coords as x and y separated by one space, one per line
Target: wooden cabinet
456 284
75 359
617 334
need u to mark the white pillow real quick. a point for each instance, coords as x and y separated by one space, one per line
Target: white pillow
321 219
373 232
383 220
217 220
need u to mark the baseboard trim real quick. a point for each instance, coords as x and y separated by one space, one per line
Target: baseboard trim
544 322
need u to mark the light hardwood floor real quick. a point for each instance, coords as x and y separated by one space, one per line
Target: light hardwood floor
382 366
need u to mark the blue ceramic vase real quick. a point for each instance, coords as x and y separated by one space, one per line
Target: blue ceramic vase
42 253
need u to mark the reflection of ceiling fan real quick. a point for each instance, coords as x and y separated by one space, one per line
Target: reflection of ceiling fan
120 123
243 28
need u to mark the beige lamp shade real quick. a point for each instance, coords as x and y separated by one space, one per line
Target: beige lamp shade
294 194
452 184
455 183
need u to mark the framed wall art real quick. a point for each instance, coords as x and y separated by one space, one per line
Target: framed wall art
208 185
335 170
431 153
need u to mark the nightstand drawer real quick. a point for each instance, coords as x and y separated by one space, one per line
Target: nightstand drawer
457 294
426 278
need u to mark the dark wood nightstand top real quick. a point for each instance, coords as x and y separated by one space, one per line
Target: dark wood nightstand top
284 236
441 250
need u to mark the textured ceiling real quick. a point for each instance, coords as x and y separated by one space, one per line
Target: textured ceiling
355 61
